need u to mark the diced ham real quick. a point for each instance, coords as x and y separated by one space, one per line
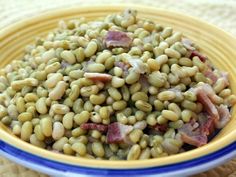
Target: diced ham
143 80
196 140
124 66
102 77
207 125
161 128
94 126
188 44
117 39
138 65
65 64
224 116
198 54
225 75
117 132
208 106
191 134
214 77
211 75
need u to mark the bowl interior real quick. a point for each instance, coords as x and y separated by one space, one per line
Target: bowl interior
216 44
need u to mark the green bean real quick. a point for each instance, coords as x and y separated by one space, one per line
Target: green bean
82 117
189 105
97 99
58 91
175 108
78 132
95 117
159 106
143 106
103 57
80 148
172 53
41 106
25 116
166 32
122 118
219 85
90 49
134 152
166 95
58 130
145 154
67 149
38 132
225 93
135 88
33 140
174 38
157 79
104 112
114 93
109 63
60 109
76 74
131 120
139 96
68 56
170 115
119 105
96 67
151 119
16 129
185 62
58 145
26 131
98 149
46 126
68 120
186 115
117 82
197 62
199 77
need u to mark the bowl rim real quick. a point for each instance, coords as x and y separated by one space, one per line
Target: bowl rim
52 167
199 152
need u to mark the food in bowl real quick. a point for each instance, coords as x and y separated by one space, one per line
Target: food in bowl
118 88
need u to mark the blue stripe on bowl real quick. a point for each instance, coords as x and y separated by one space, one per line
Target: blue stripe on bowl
95 171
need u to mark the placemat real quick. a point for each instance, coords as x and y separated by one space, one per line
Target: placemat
219 12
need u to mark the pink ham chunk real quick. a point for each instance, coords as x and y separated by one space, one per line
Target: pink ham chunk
208 106
94 126
117 39
207 125
224 116
188 44
117 132
161 128
192 135
98 77
211 75
198 54
196 140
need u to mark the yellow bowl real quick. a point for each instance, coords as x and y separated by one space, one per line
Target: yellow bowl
215 43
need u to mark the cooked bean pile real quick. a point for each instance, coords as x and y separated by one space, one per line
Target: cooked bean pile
118 88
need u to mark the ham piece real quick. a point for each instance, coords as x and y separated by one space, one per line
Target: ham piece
117 39
102 77
191 134
117 132
94 126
